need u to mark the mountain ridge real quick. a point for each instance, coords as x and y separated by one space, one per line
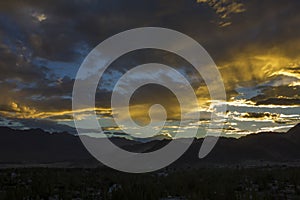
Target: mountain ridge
37 147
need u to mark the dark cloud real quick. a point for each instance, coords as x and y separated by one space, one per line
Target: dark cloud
279 101
265 115
260 44
224 9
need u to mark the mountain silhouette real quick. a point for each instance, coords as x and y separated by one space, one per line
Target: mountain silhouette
35 147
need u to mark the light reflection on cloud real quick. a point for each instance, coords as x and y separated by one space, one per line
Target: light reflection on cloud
242 118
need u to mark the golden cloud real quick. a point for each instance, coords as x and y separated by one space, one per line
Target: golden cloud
253 67
26 112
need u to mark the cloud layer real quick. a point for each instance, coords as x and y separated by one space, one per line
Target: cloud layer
42 44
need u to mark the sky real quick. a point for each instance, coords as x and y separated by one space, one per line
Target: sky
255 45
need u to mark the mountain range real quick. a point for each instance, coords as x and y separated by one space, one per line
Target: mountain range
35 147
